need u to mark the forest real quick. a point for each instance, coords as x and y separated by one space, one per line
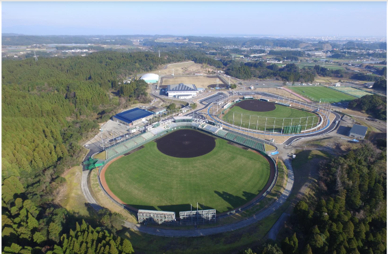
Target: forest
380 84
48 107
373 105
290 72
349 215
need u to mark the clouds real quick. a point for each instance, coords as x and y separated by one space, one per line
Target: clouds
196 18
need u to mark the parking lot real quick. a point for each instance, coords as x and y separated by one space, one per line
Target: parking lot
215 98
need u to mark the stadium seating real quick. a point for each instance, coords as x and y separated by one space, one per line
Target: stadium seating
260 147
210 128
230 136
158 130
147 135
110 153
250 143
138 139
240 139
221 133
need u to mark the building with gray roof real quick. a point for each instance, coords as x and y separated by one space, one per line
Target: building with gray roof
358 131
182 91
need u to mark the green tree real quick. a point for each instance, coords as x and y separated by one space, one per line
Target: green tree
171 107
32 222
307 250
127 246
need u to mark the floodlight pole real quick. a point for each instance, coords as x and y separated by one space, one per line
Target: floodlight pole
307 119
257 123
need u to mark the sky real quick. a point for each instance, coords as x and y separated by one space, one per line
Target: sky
353 19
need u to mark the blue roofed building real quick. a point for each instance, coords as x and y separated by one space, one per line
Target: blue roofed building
133 116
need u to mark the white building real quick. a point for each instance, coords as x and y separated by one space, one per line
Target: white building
182 91
150 78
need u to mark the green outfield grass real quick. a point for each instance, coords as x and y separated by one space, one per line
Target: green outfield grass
271 120
223 179
319 92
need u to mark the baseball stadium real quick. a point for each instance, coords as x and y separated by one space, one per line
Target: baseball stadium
185 163
263 115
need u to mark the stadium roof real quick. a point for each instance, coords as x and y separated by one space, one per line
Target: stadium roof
181 87
133 114
155 211
358 130
150 76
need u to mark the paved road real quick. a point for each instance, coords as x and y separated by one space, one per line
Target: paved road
277 226
331 128
85 190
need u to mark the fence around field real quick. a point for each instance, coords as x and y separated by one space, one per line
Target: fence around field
139 140
270 125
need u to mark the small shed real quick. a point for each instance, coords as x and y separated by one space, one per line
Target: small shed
358 131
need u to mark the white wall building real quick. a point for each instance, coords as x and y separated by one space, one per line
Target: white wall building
182 91
150 78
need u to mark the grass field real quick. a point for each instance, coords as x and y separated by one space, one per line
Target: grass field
223 179
322 93
73 199
271 120
198 81
327 66
352 91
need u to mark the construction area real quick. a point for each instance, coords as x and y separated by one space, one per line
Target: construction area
198 81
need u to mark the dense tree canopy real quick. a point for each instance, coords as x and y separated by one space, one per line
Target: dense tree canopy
48 107
374 105
350 216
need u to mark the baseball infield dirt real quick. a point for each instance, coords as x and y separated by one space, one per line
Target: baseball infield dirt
186 144
256 105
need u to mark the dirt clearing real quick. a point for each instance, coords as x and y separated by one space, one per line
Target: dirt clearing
198 81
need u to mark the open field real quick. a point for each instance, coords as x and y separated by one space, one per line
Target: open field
198 81
279 92
223 179
71 196
271 120
352 91
183 68
327 66
324 94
